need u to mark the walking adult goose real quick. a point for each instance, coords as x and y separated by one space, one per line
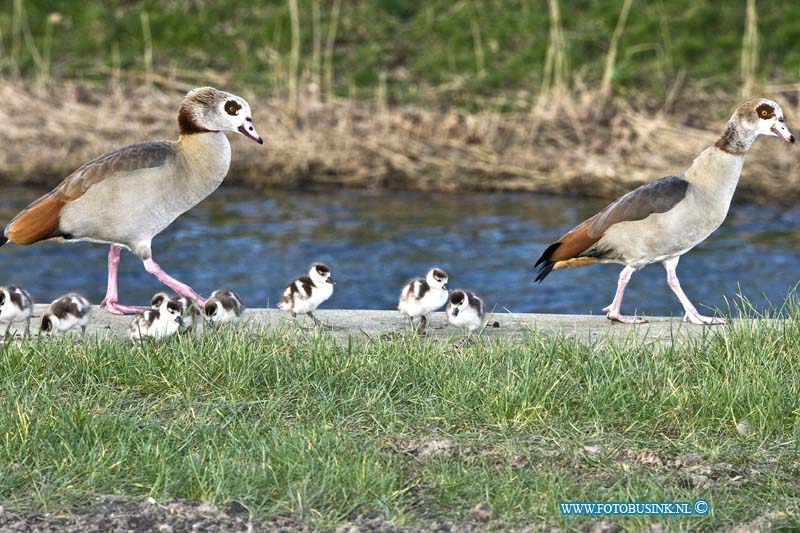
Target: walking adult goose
662 220
127 197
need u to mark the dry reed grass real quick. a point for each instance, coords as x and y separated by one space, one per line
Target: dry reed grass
572 148
568 138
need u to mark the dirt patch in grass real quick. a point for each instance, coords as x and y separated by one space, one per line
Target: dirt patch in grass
692 470
114 513
118 514
570 146
427 449
768 522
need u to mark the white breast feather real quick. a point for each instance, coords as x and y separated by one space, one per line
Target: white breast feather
223 316
308 303
414 306
163 327
11 313
466 318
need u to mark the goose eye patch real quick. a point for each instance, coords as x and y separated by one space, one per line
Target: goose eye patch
232 107
765 111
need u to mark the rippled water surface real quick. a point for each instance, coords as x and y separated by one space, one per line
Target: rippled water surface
375 241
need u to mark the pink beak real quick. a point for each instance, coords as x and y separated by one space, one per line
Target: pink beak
783 132
248 130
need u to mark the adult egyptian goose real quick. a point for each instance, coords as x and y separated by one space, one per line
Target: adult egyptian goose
127 197
662 220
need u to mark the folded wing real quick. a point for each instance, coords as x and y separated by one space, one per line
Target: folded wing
40 220
579 246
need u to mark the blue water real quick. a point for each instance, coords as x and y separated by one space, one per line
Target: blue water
375 241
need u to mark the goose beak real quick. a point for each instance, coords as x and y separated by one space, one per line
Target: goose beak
780 130
248 130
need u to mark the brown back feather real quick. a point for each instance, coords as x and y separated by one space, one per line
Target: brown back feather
139 156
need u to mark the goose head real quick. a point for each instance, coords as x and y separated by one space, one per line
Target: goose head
765 117
458 302
49 322
209 109
437 279
320 273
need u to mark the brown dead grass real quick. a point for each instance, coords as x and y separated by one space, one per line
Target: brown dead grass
566 147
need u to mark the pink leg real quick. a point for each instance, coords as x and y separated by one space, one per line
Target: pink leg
692 315
180 288
613 310
110 302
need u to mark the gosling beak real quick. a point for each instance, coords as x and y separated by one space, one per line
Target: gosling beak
454 312
179 320
444 286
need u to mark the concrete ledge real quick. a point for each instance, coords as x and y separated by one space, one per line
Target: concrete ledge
373 324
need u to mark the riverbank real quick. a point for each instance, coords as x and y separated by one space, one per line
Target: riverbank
566 146
300 431
374 325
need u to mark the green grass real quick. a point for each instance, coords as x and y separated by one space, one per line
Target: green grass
433 44
321 430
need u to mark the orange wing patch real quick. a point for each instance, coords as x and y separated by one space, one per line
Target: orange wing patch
39 221
566 253
575 242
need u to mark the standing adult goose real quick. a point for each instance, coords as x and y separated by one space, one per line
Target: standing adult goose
662 220
127 197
